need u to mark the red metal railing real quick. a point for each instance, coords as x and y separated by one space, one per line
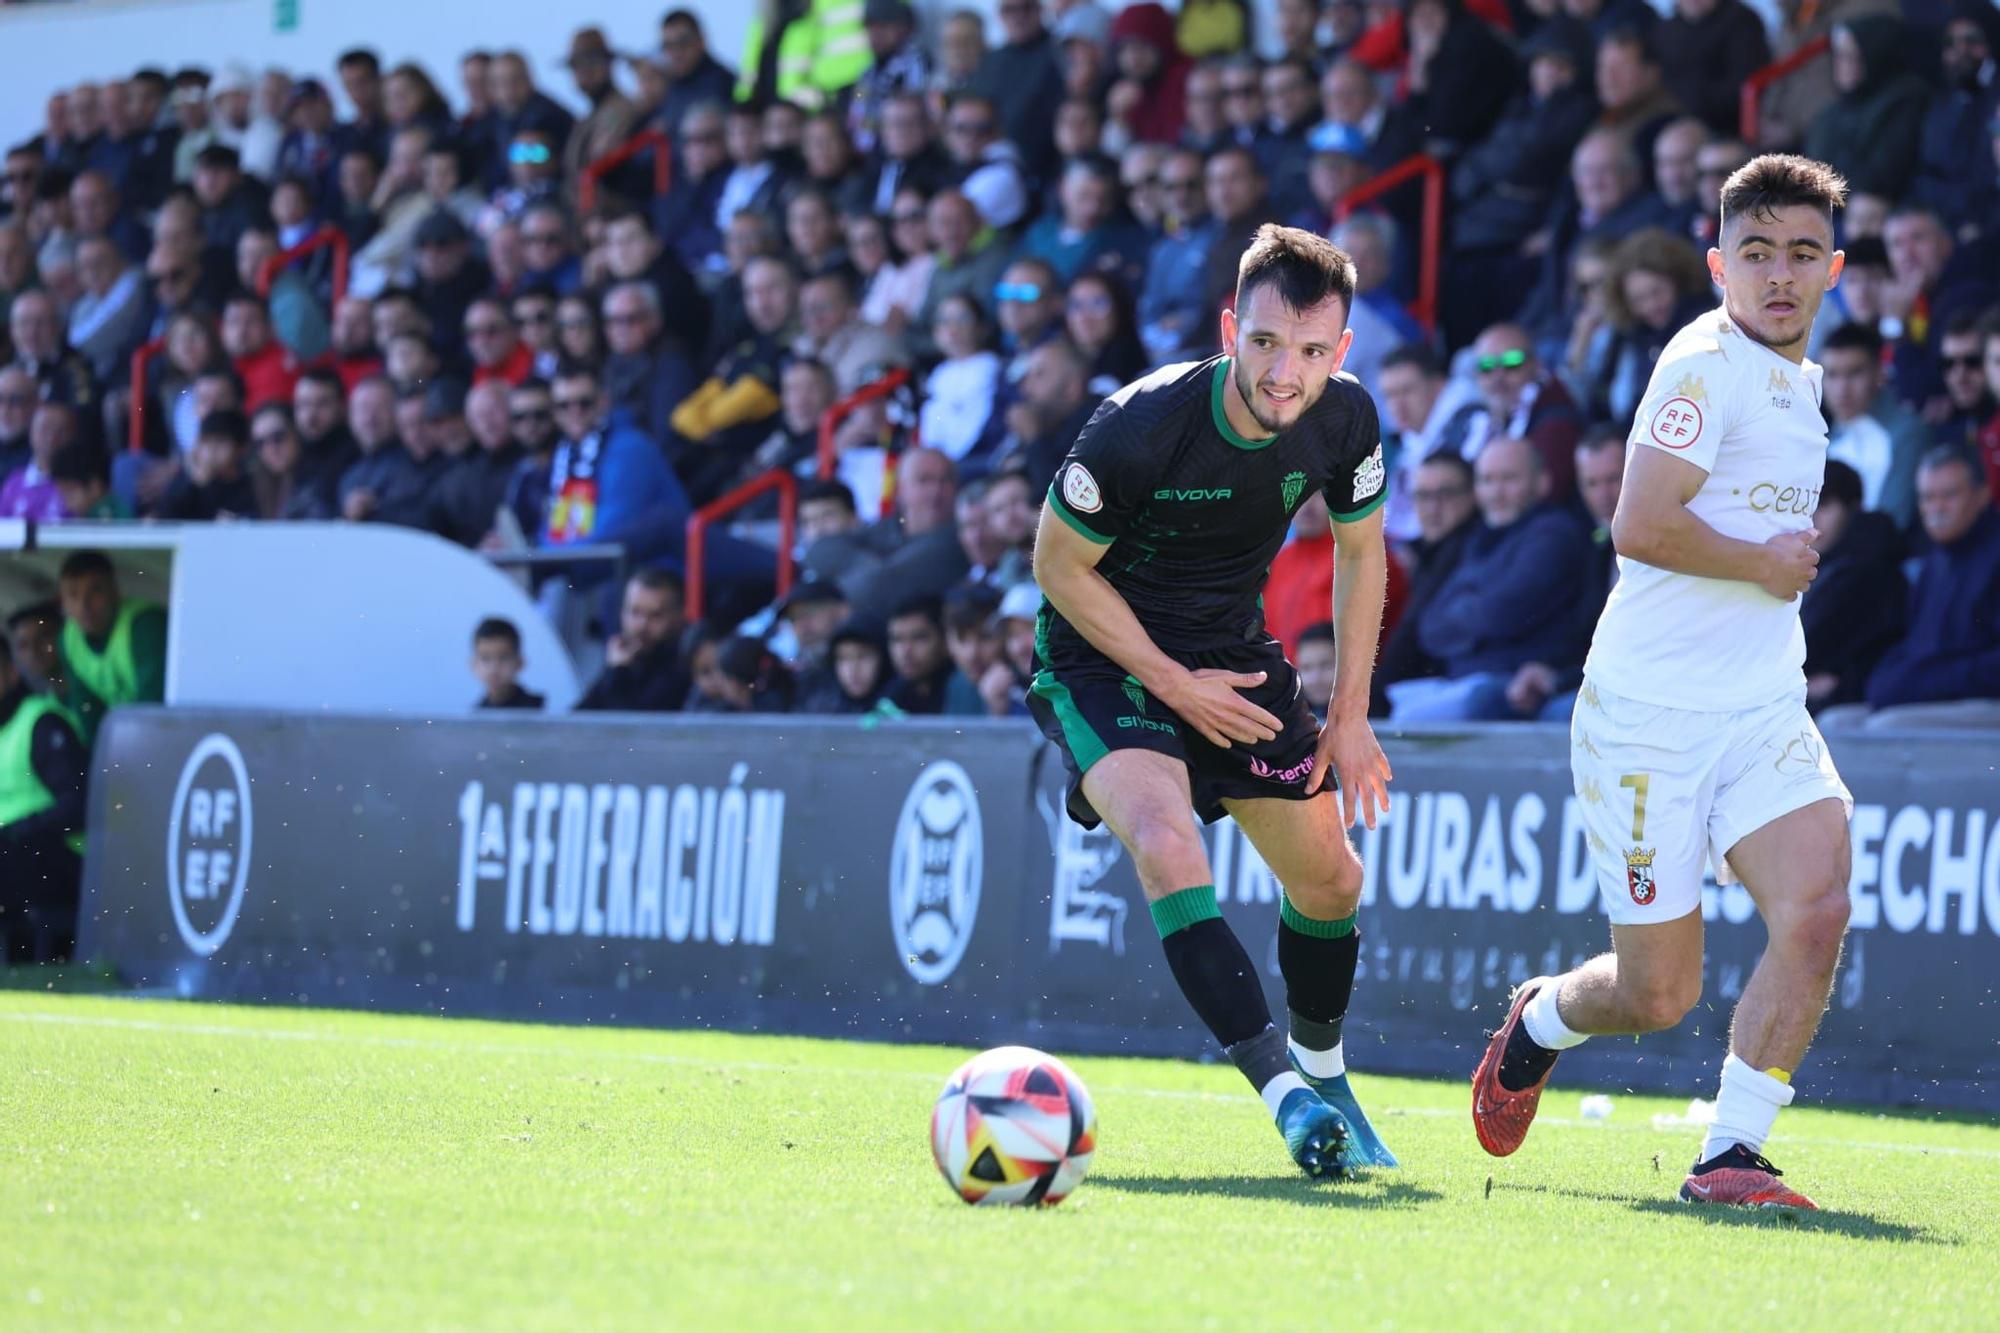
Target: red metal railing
777 479
326 238
135 416
829 424
1754 86
1424 308
663 166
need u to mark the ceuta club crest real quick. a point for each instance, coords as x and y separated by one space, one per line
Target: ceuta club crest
1639 875
1294 485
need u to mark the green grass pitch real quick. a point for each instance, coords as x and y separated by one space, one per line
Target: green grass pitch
204 1166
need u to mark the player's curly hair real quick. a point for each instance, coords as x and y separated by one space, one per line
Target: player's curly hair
1763 185
1305 267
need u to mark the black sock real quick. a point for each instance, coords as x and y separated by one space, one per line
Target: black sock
1317 959
1524 1060
1209 963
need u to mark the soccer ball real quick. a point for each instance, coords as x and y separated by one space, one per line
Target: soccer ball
1013 1125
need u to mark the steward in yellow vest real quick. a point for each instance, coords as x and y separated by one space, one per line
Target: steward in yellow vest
114 649
44 772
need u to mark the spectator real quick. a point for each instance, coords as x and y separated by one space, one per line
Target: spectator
1173 311
1631 89
1099 320
1708 50
46 775
810 614
468 496
1139 179
259 359
1335 168
579 338
1298 591
497 665
894 257
836 547
449 278
1956 171
1523 401
1054 406
276 457
1350 96
648 373
960 392
1428 413
725 416
1539 688
1934 280
832 331
1872 130
694 76
354 356
926 498
18 397
1317 659
1149 98
524 115
114 648
1004 688
214 484
1022 77
1085 234
1441 496
968 257
1205 129
1608 204
642 667
1287 144
899 65
906 159
35 327
109 320
1989 434
1973 403
384 469
230 201
35 634
498 354
612 116
972 638
1657 285
1676 177
1028 300
918 656
984 542
30 491
1234 186
805 392
1946 669
1379 321
1870 431
804 53
298 320
1459 76
1508 606
1853 611
82 474
961 50
686 214
530 409
989 167
608 483
739 675
860 669
327 448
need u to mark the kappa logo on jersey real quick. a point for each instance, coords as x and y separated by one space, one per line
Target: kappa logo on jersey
1292 487
1370 477
208 844
1677 425
1639 875
1080 491
935 870
1779 382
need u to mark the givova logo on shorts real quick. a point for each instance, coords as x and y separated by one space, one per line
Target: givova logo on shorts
935 867
208 843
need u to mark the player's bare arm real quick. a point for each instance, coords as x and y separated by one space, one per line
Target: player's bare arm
1347 743
1066 570
1653 525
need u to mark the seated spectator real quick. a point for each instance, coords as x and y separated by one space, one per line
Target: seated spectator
1099 320
1989 434
1708 50
1657 285
918 656
893 257
530 409
1871 131
548 257
992 175
1084 233
1676 175
612 116
497 350
642 666
686 214
805 392
608 483
41 830
633 254
326 447
984 542
832 331
1538 688
832 165
1004 688
1148 101
230 201
1459 75
1955 171
1298 591
1293 141
260 360
1608 201
1028 303
860 659
18 398
1173 314
967 256
497 665
1870 430
739 675
960 391
1317 660
1509 604
755 182
214 483
1054 405
275 459
1523 401
579 337
1853 611
30 490
648 373
114 648
468 496
383 467
1632 90
1946 670
1379 321
82 474
1428 413
1972 402
1445 514
961 47
807 616
61 374
720 420
109 319
972 638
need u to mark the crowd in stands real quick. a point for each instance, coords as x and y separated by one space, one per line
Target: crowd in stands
529 351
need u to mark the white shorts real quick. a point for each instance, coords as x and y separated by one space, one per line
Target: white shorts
1665 792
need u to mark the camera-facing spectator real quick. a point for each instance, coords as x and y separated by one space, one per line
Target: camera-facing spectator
968 258
694 76
259 359
19 397
608 483
1055 404
1973 403
1525 402
82 474
1173 319
1004 688
860 656
810 613
832 331
497 665
30 490
958 416
892 252
35 328
642 666
1656 285
276 459
466 498
1445 517
723 418
1317 658
1871 431
918 657
1085 232
1099 320
972 637
993 178
109 320
1870 132
739 674
612 116
647 373
1428 412
1854 610
215 481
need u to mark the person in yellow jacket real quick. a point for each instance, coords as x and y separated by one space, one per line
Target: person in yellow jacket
114 648
820 50
44 770
720 418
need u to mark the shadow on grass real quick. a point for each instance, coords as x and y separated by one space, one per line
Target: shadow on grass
1372 1191
1858 1225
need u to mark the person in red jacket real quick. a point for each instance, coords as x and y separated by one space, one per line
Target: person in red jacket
263 364
1300 591
1150 97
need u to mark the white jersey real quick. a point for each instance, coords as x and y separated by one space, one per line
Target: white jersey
1751 420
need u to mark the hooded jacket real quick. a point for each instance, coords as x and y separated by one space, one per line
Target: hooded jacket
1163 106
1870 135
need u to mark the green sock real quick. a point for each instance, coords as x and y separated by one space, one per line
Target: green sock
1177 911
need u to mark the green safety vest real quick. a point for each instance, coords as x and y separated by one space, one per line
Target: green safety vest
820 53
112 675
21 791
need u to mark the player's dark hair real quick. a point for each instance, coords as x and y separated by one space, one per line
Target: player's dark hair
1763 185
1305 267
1321 632
1843 484
1854 337
497 627
85 564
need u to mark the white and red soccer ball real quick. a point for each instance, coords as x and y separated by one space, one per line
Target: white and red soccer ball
1013 1125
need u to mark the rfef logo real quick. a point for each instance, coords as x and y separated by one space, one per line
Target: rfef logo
935 868
1677 424
208 843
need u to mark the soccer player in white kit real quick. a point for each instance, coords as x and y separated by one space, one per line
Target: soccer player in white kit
1691 743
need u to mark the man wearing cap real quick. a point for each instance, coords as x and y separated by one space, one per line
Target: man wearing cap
612 115
449 278
901 65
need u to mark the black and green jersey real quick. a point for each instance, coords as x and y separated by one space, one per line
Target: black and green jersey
1193 512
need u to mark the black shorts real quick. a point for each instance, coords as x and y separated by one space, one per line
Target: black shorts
1090 707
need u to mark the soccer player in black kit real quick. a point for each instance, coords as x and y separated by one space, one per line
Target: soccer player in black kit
1168 698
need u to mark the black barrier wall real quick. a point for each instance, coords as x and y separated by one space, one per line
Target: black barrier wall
918 882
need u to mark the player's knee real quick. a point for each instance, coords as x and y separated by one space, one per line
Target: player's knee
1664 1001
1330 894
1817 924
1167 851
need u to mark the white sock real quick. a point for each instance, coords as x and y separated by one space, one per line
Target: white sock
1745 1109
1275 1091
1544 1021
1320 1064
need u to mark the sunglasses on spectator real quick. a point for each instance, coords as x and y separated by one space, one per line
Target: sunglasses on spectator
1509 360
531 414
534 318
528 154
1017 291
1971 361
